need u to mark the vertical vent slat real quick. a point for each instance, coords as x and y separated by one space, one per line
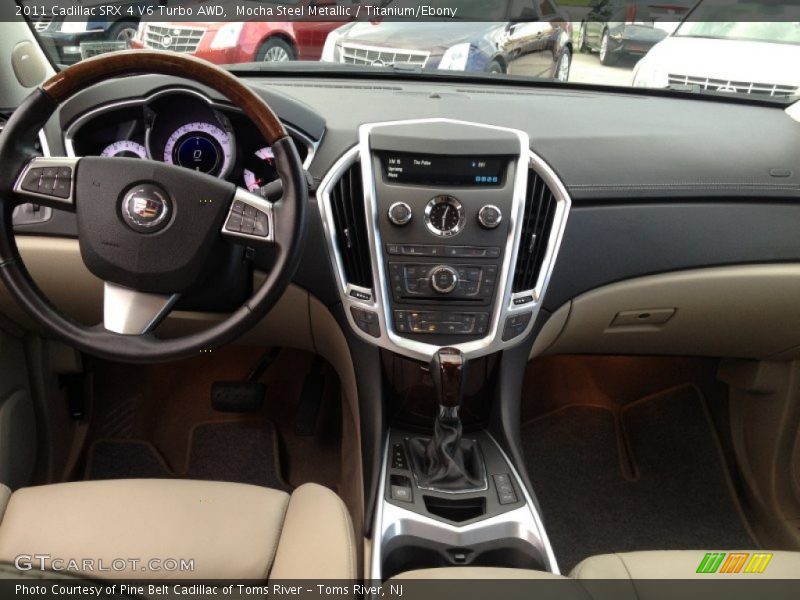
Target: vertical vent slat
540 211
347 206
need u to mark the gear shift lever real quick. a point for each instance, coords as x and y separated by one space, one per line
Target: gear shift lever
446 461
448 371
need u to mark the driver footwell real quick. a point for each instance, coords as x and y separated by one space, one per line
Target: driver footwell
237 451
158 421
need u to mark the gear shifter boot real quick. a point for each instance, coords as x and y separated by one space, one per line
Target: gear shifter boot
447 461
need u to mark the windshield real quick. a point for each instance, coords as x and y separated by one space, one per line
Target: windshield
680 45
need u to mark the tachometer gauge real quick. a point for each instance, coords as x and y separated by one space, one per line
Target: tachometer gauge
260 169
125 149
201 147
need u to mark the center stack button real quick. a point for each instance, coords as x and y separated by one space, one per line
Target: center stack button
444 279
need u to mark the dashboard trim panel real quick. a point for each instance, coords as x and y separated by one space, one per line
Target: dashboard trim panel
504 305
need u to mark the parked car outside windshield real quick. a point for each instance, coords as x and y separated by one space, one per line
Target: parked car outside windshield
712 51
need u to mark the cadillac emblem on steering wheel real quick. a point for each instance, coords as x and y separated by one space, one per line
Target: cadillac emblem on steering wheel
145 208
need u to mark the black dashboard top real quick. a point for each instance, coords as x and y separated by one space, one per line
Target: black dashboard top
599 142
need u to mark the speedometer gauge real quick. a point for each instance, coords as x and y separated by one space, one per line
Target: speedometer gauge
201 147
125 149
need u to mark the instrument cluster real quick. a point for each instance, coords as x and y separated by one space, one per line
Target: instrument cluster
182 129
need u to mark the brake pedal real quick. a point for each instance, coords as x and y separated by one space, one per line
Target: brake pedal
237 396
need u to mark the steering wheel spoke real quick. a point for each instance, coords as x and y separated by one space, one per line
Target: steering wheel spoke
250 220
130 312
49 182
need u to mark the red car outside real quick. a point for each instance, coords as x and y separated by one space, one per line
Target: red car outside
240 42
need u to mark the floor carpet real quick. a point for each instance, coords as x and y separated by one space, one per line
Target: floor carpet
646 477
237 451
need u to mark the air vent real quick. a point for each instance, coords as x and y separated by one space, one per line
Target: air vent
540 210
347 205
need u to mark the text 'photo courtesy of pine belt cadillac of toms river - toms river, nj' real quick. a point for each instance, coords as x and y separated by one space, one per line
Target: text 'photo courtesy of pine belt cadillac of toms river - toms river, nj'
400 299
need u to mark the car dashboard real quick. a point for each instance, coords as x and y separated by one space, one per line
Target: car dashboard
446 221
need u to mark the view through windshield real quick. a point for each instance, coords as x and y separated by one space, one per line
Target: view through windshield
747 47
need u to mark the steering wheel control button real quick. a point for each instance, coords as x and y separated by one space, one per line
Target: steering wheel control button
234 223
146 208
516 325
400 213
31 181
367 321
62 188
490 216
262 225
444 279
248 220
55 182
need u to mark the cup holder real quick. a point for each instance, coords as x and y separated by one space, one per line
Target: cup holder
455 510
409 553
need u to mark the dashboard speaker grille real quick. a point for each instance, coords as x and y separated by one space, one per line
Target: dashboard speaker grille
540 211
347 205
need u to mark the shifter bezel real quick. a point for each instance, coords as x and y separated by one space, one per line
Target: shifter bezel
516 527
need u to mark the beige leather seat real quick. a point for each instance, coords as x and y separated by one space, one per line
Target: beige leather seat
227 530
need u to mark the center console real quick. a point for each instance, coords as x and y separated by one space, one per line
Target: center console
444 235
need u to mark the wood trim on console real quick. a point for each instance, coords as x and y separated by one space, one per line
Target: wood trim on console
133 62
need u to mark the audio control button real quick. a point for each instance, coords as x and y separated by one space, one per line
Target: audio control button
490 216
400 213
444 279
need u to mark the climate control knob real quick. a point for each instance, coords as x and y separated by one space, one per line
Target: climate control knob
490 216
444 279
400 213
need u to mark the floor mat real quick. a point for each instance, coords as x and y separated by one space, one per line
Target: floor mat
679 497
237 451
240 451
125 459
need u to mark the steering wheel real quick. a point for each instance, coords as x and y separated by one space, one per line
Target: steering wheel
145 228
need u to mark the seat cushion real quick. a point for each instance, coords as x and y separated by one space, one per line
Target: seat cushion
680 564
227 530
317 539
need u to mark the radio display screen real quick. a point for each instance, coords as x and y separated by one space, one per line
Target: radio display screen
437 170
